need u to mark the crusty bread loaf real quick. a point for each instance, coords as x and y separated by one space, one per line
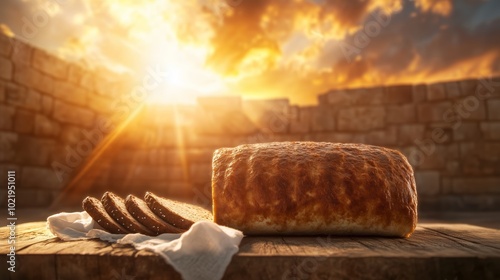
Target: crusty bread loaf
314 188
115 206
179 214
95 209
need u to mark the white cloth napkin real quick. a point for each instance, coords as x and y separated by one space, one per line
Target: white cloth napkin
202 252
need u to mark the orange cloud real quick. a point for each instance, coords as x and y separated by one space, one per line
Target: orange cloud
265 48
441 7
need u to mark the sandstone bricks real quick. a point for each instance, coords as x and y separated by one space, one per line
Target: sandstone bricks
5 69
66 113
361 119
449 130
46 63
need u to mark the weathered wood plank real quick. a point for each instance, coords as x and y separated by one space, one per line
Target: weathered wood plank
34 267
434 251
474 234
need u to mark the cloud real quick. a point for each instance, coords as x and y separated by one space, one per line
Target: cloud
441 7
266 48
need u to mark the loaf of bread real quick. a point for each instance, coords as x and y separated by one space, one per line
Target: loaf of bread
304 188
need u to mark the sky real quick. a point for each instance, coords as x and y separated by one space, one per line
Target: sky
295 49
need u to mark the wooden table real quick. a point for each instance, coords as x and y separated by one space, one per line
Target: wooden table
434 251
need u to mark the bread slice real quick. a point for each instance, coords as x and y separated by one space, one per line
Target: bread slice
115 206
141 212
178 214
95 209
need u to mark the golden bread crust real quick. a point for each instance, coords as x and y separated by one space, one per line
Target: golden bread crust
314 188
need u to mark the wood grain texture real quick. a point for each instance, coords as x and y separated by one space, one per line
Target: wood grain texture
434 251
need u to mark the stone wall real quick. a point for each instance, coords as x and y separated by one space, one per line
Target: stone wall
45 105
73 131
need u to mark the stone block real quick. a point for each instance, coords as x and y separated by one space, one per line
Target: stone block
357 97
398 94
301 124
436 92
34 151
270 116
487 202
193 140
428 182
199 155
5 68
21 53
402 114
166 157
322 119
75 74
468 87
3 85
466 131
69 92
491 130
99 103
385 137
487 87
452 168
486 151
223 103
70 134
47 104
408 133
433 112
153 138
446 185
471 108
452 90
44 126
49 64
87 81
8 145
200 173
140 173
233 122
476 185
427 155
439 133
66 113
5 45
6 117
361 118
39 178
22 98
337 97
493 106
24 121
419 93
334 137
27 76
104 86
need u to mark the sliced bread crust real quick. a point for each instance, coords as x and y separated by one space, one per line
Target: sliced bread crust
141 212
95 209
115 206
179 214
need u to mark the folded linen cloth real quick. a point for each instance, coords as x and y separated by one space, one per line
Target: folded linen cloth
206 244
